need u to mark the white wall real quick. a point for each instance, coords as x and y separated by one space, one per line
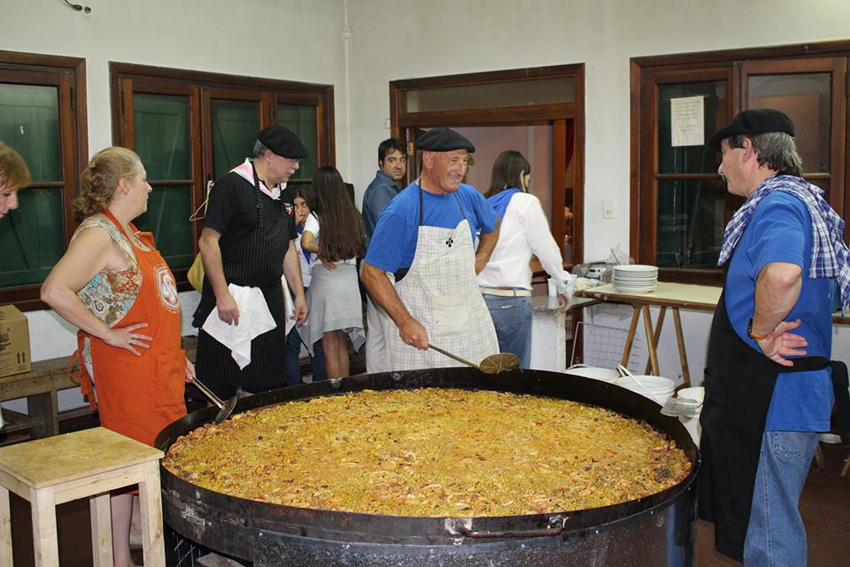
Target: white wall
402 39
399 39
298 40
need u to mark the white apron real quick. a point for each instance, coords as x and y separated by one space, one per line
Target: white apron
441 292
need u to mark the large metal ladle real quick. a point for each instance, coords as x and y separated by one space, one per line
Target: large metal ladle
224 408
493 364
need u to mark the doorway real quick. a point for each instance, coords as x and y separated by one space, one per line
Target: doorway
537 111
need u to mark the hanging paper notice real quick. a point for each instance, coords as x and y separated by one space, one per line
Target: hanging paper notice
686 120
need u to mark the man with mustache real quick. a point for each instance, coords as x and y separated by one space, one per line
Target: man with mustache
425 237
769 384
392 161
248 240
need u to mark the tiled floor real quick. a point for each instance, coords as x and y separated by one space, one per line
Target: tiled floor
825 506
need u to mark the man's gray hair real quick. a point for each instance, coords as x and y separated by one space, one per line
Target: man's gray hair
259 149
776 150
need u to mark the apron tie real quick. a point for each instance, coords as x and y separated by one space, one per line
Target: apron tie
82 377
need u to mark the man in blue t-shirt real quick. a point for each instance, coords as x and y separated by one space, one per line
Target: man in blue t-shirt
764 404
425 238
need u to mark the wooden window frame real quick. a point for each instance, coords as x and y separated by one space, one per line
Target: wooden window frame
740 64
68 74
555 114
127 78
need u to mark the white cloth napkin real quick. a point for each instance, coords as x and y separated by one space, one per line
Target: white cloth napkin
254 320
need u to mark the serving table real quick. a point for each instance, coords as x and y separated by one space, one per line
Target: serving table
673 295
667 294
86 464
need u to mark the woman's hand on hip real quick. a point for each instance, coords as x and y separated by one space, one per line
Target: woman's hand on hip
127 338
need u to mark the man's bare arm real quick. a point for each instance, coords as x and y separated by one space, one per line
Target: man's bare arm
382 291
214 270
292 271
777 291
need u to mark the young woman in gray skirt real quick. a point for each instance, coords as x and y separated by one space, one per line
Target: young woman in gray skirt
334 294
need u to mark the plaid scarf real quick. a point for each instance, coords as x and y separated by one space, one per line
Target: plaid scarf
829 252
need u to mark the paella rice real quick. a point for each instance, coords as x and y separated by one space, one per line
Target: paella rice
431 452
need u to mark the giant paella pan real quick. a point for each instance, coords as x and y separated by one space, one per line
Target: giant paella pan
362 515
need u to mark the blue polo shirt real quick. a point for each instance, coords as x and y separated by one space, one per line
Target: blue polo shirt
393 243
781 231
378 195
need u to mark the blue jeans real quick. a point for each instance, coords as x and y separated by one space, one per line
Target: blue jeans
512 319
293 353
775 536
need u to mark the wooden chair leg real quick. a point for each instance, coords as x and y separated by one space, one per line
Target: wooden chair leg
101 529
846 467
630 338
44 536
653 355
5 529
153 542
683 355
657 335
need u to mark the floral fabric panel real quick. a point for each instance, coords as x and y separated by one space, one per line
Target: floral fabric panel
111 294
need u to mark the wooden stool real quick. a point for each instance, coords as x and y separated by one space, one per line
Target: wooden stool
89 463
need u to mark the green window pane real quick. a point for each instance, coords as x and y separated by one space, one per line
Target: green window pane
690 224
301 119
162 136
31 237
29 122
167 218
235 125
690 159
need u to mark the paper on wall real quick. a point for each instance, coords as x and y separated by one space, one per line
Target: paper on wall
687 122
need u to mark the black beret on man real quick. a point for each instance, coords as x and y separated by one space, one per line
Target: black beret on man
752 122
282 142
443 140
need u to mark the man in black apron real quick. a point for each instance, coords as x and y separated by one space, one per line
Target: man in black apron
765 404
248 240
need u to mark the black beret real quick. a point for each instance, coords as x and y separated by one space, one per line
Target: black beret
282 142
443 140
752 122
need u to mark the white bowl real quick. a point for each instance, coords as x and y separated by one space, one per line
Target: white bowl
653 387
696 393
595 372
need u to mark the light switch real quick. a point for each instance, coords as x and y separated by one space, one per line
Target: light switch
608 209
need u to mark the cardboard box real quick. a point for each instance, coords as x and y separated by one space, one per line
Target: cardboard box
14 341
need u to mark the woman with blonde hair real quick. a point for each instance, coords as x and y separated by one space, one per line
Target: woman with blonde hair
115 287
506 279
14 175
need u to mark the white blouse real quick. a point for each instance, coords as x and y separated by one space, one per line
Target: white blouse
524 231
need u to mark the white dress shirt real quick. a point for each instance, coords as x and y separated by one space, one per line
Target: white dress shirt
524 231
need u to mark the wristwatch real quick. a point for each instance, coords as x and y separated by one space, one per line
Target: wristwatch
755 335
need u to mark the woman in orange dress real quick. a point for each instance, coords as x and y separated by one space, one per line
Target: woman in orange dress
115 287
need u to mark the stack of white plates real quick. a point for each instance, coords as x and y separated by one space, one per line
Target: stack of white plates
635 278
